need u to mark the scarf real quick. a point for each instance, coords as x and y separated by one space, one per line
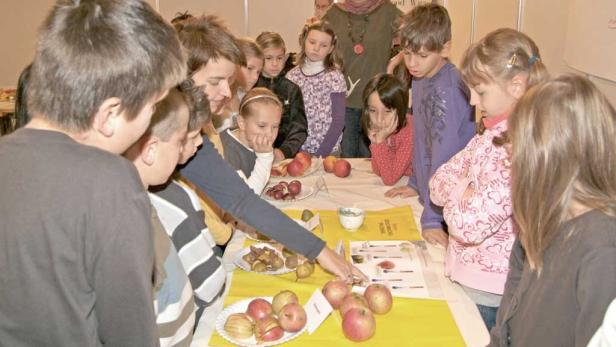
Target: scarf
364 8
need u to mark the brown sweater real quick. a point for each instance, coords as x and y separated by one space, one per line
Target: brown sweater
566 304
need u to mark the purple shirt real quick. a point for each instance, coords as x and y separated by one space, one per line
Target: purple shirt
443 124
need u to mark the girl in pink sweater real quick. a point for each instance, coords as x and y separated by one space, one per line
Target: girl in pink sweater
474 187
389 128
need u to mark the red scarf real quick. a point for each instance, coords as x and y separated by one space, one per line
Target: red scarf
364 8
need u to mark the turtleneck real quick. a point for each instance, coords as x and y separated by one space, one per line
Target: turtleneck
310 68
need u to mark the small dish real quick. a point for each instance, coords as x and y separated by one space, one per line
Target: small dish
351 218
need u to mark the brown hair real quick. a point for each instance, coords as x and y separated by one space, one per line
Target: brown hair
206 38
250 48
166 119
332 60
90 51
258 95
563 136
270 39
426 26
392 93
198 105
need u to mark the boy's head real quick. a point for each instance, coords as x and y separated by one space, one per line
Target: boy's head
249 74
157 152
426 37
213 57
101 66
274 52
199 115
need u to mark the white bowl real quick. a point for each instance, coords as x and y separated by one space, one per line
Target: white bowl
351 218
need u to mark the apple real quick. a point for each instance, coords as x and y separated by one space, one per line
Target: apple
259 309
295 168
358 324
295 187
353 300
379 298
268 329
304 158
282 299
342 168
328 163
335 291
292 317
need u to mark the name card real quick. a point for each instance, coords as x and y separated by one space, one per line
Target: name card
317 309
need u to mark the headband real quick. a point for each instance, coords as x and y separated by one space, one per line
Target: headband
260 96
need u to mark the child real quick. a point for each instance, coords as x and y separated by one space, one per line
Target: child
388 127
474 186
155 156
76 226
205 38
181 214
443 120
293 127
323 88
249 148
563 160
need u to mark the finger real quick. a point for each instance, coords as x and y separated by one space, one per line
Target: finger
359 274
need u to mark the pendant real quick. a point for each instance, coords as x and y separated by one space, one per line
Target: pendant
358 49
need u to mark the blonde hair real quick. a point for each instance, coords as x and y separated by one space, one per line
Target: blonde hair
250 48
563 135
332 60
270 39
257 95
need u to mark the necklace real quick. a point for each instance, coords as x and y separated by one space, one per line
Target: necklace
357 41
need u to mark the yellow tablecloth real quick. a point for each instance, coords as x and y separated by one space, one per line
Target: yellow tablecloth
411 322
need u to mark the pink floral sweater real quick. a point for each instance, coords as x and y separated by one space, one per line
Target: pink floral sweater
481 228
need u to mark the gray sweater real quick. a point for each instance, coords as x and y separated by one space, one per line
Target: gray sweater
566 304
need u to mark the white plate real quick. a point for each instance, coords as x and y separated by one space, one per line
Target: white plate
240 307
305 193
246 267
315 165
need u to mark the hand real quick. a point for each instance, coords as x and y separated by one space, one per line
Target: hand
278 155
403 192
393 62
338 266
262 144
435 236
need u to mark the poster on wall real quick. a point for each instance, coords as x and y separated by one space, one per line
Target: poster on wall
591 37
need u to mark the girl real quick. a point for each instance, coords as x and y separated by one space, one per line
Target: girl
249 148
563 164
474 186
323 88
246 78
389 128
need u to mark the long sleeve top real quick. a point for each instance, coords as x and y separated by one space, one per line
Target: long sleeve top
391 159
219 181
443 123
481 228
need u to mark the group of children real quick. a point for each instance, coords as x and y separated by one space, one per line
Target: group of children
525 204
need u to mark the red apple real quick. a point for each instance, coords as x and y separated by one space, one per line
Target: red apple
292 317
342 168
358 324
328 163
295 187
259 309
353 300
379 298
304 158
295 168
268 329
282 299
335 291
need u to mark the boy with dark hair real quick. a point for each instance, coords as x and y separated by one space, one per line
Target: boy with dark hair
78 257
443 119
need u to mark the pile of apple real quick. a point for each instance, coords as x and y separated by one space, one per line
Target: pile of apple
296 167
358 310
268 321
339 167
284 190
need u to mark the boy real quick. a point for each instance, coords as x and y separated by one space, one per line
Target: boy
210 47
155 156
293 129
77 259
443 120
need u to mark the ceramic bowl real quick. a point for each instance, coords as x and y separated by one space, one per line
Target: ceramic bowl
351 218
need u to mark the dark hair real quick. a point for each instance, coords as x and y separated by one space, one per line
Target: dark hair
392 93
198 105
90 51
166 119
21 99
332 60
426 26
206 38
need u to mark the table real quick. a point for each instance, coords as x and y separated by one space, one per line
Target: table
362 189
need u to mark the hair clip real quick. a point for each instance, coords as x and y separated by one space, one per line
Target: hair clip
533 59
511 62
